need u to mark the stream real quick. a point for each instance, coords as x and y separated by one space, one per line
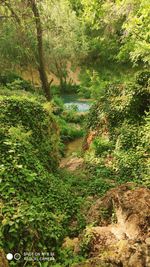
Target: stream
83 105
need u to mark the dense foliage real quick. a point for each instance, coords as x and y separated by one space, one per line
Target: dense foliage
36 204
92 49
120 118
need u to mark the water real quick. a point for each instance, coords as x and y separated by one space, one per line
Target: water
82 105
73 100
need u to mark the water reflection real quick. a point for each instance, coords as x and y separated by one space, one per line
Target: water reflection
81 107
72 100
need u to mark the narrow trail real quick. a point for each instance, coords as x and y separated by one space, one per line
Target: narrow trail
72 161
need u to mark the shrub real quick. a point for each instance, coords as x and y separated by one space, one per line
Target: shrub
122 113
144 148
128 166
69 131
8 77
120 102
58 105
37 206
73 116
14 82
101 146
132 152
20 111
143 78
128 136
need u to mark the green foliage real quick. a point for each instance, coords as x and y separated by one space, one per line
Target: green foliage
37 206
86 241
69 120
128 136
70 88
72 116
143 78
58 105
118 102
63 37
144 149
4 91
65 41
12 81
96 78
118 31
121 115
92 84
98 186
128 166
8 77
102 146
69 131
136 31
68 258
20 111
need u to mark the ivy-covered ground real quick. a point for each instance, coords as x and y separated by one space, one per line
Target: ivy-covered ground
42 204
51 199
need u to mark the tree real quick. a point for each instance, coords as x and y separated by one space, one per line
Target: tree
119 29
27 53
41 60
64 37
54 39
136 31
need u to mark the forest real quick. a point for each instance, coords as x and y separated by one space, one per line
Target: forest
75 133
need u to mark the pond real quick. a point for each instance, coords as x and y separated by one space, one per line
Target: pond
82 105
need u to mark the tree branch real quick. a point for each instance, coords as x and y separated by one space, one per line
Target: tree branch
11 10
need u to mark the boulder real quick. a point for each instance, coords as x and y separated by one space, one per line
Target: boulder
121 235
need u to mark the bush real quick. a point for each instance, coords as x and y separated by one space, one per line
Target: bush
128 166
122 113
73 116
14 82
37 206
144 148
58 105
132 152
143 78
102 146
128 136
4 91
120 102
69 131
20 111
8 77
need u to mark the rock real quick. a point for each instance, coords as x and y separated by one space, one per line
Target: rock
147 241
72 164
122 236
88 140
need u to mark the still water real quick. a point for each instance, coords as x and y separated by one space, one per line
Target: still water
82 105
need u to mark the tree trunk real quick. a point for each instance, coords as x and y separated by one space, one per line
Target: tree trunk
41 62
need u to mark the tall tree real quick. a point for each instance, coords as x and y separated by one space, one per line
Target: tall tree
24 51
64 37
41 59
55 42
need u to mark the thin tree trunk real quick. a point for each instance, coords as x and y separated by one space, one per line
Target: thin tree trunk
59 75
41 67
